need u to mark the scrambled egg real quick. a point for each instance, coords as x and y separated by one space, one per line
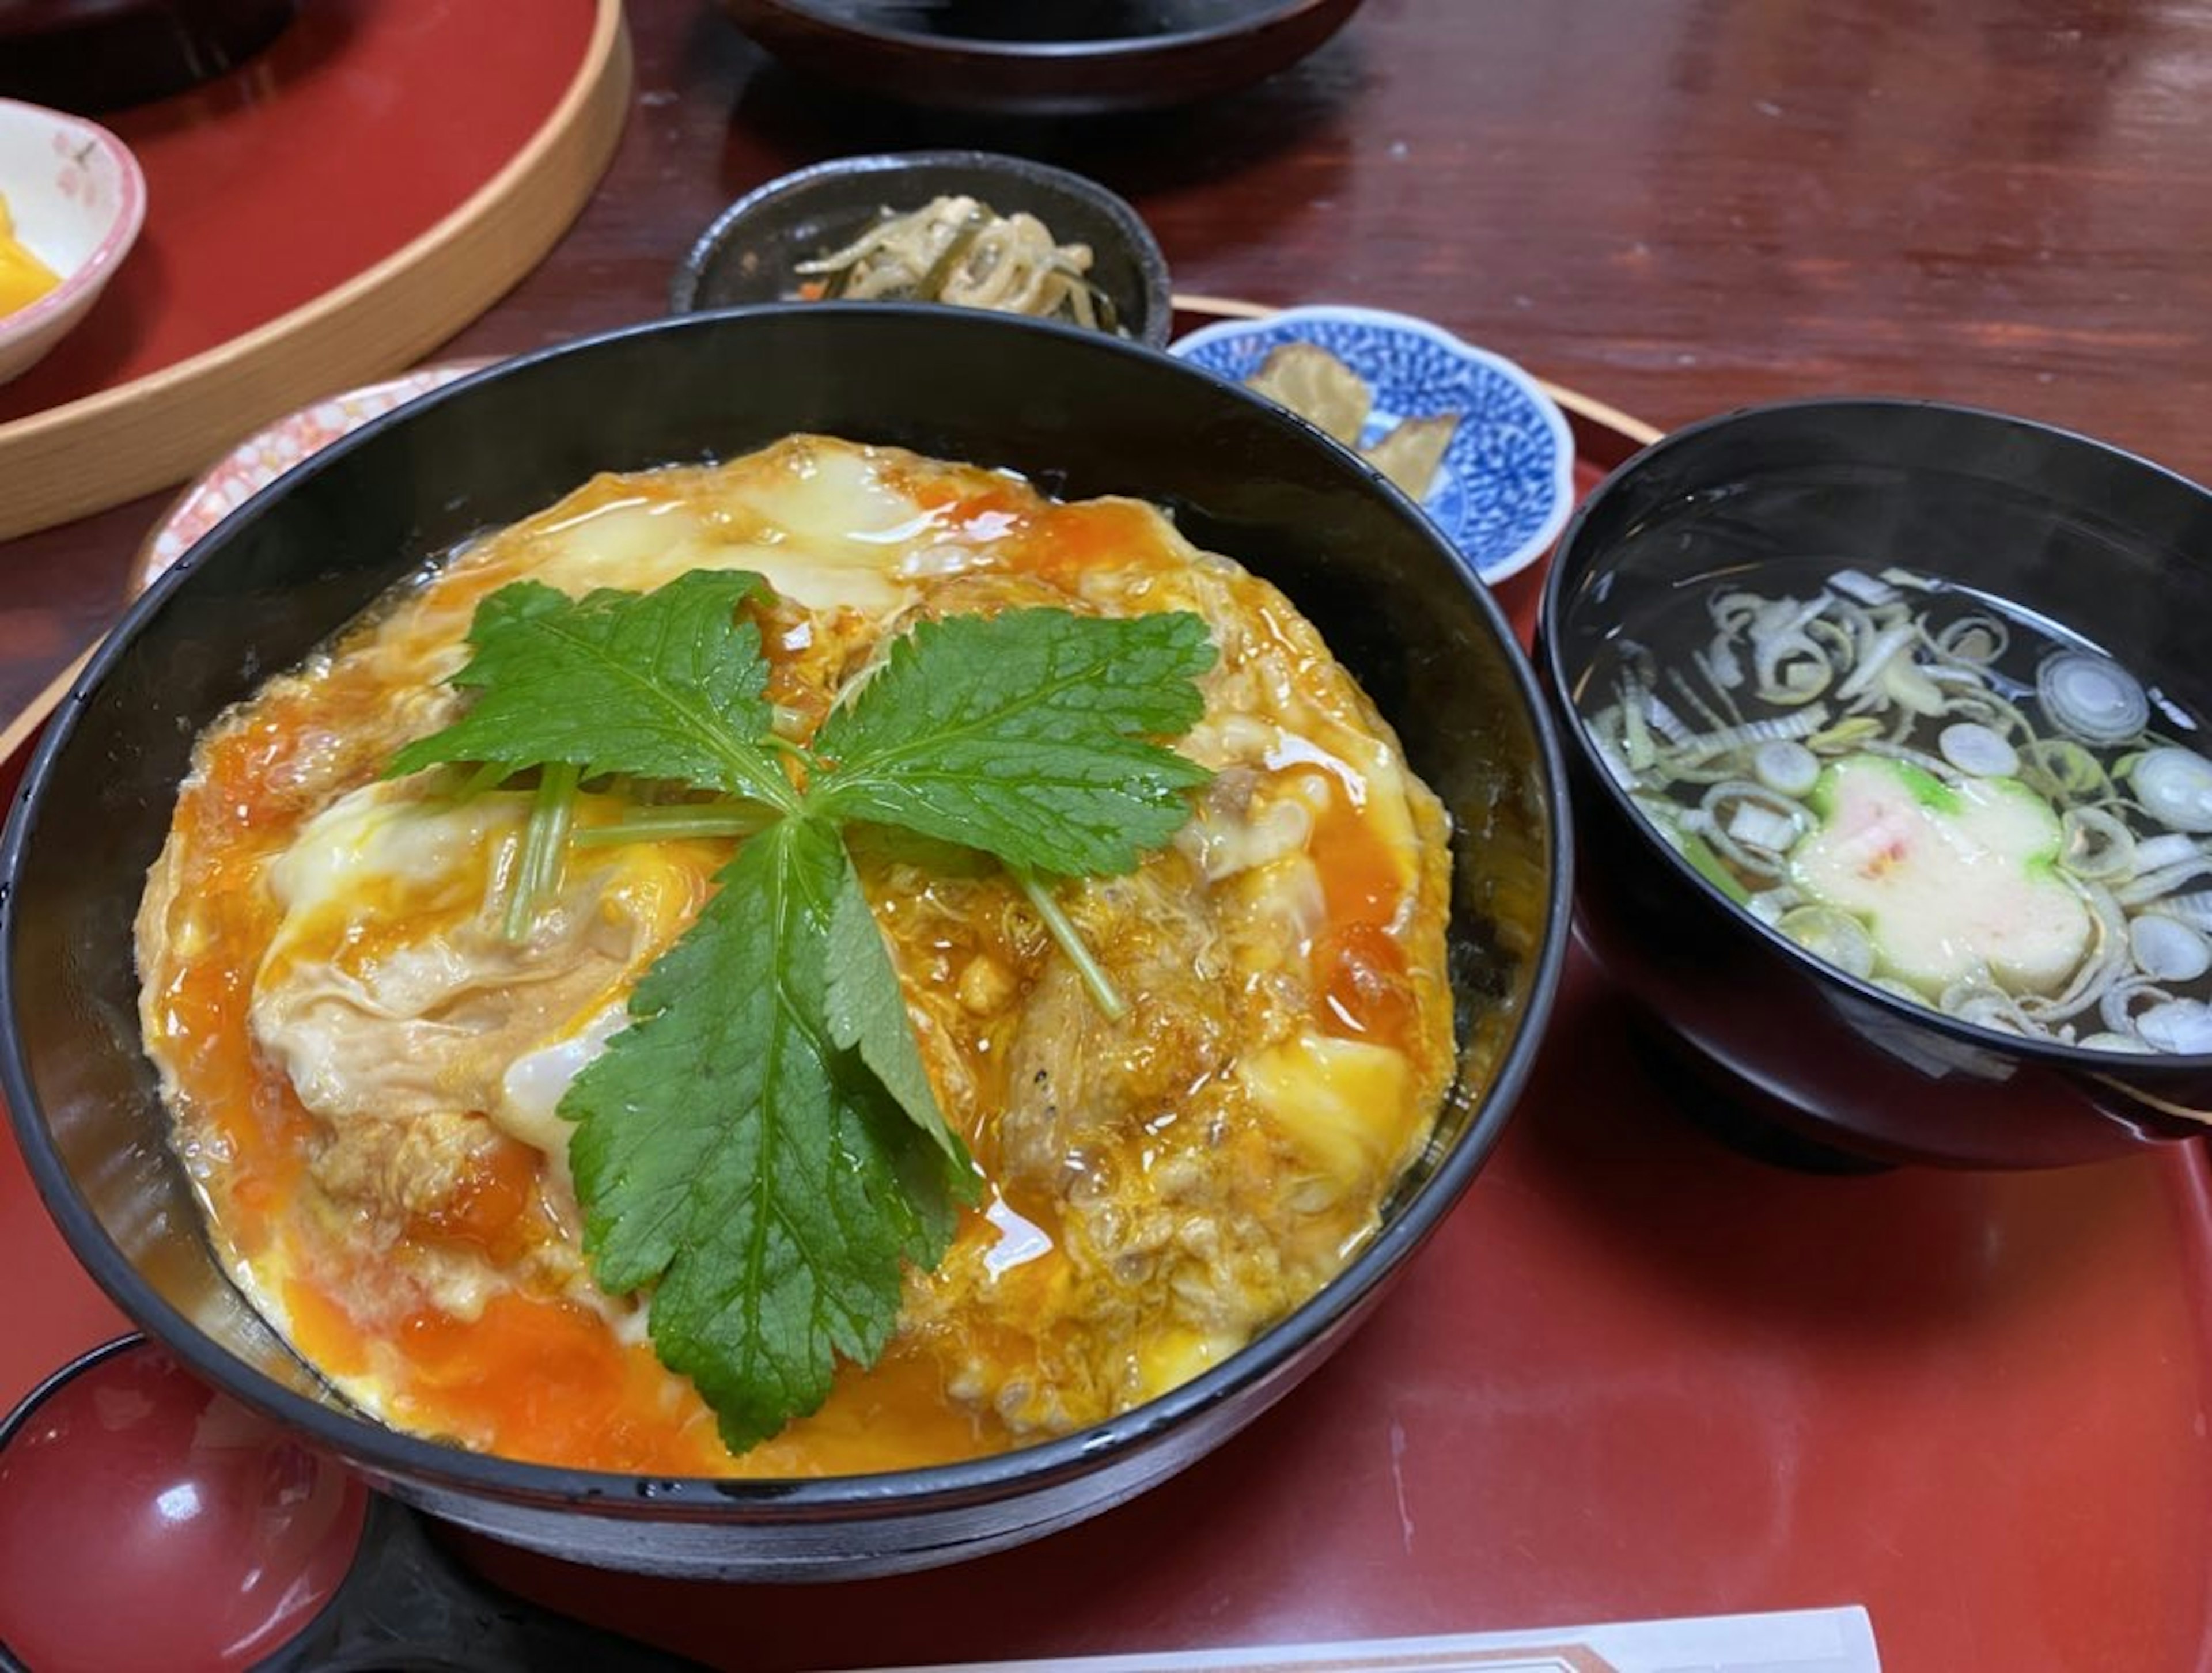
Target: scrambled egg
364 1071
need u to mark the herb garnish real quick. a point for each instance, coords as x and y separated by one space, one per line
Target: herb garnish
761 1144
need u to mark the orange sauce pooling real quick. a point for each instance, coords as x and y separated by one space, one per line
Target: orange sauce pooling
540 1377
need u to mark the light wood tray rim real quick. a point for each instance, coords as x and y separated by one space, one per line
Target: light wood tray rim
100 450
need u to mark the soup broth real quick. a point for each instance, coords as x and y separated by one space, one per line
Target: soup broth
1939 792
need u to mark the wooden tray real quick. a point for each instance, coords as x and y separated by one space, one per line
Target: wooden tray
324 215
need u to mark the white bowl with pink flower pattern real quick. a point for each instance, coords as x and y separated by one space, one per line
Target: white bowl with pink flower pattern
78 198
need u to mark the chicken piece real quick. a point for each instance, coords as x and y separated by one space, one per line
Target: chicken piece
1081 1085
393 1001
401 1171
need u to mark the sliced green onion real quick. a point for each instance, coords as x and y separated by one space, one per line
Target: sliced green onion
1875 661
1857 585
2147 886
1978 749
1833 935
2181 1026
1845 735
1779 729
2167 950
2156 853
2060 768
2105 1042
1635 735
1699 853
1756 827
2095 845
1787 766
1975 639
2091 697
2175 787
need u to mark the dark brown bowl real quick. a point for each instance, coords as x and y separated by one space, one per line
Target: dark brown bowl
91 56
1079 413
751 252
2112 548
1042 58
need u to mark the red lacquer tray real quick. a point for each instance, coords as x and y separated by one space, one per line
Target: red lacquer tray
1634 1374
347 199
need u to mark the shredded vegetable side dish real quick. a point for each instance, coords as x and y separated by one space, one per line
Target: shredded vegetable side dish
826 963
960 251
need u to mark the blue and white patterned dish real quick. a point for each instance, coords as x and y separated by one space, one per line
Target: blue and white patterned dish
1507 481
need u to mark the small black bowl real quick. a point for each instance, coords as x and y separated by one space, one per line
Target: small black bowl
1770 1040
751 251
94 56
1042 58
1080 413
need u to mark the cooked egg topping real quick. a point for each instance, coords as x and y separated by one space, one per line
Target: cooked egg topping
365 1071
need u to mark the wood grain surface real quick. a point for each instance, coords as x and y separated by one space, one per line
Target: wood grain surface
1678 206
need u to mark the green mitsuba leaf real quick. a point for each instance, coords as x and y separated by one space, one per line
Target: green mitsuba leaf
761 1150
727 1150
1027 734
866 1014
664 685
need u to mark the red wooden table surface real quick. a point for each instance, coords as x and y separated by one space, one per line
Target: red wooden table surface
1634 1374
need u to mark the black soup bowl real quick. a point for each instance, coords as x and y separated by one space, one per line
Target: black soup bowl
1076 412
1774 1044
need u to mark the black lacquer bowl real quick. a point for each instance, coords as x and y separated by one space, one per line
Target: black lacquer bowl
1772 1042
751 251
1049 58
1080 413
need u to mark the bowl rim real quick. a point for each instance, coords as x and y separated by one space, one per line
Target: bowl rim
368 1443
1144 248
1575 738
1540 399
1278 13
90 275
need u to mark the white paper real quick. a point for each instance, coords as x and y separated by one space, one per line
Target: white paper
1830 1641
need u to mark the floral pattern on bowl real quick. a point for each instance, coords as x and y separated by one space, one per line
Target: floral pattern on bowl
1506 484
267 454
77 199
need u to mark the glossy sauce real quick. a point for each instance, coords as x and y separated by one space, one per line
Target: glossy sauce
1037 1321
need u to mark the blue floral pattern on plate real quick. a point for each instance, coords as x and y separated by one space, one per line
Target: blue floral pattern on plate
1507 481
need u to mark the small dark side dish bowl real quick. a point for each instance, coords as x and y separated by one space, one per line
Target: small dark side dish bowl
751 251
91 56
1042 58
2103 543
1079 413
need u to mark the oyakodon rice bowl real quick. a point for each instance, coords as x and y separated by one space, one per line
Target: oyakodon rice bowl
415 1097
1127 1374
